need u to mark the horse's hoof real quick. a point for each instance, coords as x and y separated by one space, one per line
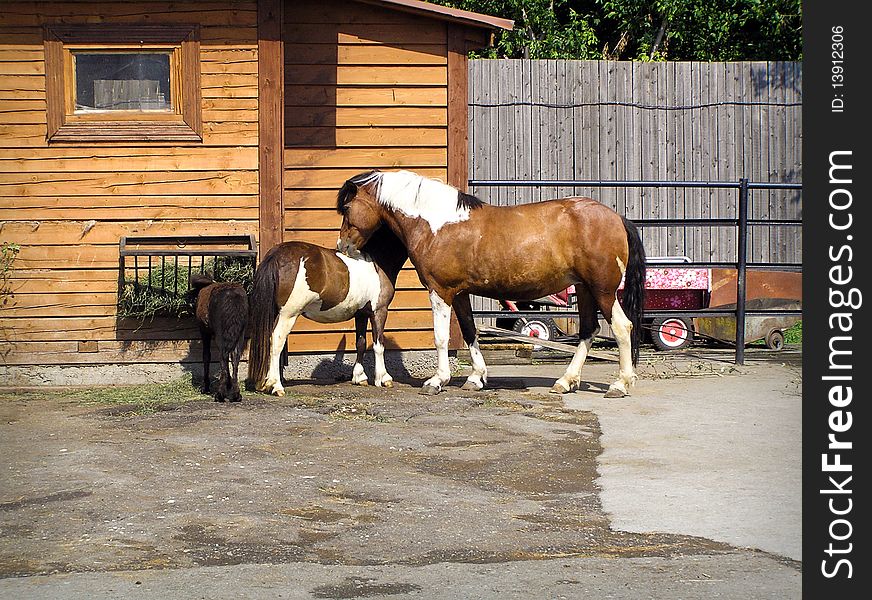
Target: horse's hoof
558 389
615 393
430 390
385 384
471 386
361 382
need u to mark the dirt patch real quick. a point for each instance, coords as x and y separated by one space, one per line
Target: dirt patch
329 474
360 587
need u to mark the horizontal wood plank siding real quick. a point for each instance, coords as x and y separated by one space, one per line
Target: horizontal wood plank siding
365 87
67 205
369 92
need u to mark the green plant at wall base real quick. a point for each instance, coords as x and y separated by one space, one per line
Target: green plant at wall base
8 253
164 290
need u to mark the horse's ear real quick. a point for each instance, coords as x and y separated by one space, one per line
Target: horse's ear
200 280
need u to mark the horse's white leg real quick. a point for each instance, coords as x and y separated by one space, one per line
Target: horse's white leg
358 375
478 378
441 332
382 378
377 322
572 377
622 328
463 311
273 382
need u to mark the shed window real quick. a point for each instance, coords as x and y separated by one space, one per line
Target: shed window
123 83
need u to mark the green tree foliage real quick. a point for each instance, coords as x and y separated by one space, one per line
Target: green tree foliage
543 28
707 30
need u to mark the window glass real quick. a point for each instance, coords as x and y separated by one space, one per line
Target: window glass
122 81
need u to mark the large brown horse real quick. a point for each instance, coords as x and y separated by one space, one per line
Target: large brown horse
460 246
298 278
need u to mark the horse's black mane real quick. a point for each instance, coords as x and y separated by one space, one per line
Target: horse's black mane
349 190
468 201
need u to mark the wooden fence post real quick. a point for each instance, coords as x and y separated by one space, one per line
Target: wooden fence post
270 122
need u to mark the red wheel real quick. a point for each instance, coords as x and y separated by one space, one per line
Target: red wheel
671 333
542 328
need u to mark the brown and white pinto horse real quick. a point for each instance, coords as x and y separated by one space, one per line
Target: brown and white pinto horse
460 246
298 278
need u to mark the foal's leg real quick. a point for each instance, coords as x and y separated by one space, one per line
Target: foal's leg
358 376
463 310
378 320
441 332
588 328
230 354
224 377
235 356
273 382
622 327
206 337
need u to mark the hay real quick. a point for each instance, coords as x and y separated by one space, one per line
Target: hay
164 289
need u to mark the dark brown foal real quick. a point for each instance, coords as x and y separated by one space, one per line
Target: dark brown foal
222 314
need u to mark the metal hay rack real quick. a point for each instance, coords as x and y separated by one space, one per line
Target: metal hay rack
154 272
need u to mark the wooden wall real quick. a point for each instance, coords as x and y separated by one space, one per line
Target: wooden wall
68 205
370 92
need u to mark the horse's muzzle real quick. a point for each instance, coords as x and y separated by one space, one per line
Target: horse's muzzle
348 248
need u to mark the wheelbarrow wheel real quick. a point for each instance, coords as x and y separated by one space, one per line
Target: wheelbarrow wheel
775 339
543 328
672 332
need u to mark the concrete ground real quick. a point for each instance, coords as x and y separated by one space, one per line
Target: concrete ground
688 489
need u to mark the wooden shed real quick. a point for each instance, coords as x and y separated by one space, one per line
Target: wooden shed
249 116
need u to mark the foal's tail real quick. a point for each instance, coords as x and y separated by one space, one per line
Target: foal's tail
634 285
264 310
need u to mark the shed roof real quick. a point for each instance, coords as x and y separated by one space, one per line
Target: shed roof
448 14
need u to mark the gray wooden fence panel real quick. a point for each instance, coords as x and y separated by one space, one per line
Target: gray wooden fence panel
672 121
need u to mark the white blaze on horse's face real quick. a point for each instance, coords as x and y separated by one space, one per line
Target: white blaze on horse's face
420 197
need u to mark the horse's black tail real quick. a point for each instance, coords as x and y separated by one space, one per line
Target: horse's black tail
634 285
263 311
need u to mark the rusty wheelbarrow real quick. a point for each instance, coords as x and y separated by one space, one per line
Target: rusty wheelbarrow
769 328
